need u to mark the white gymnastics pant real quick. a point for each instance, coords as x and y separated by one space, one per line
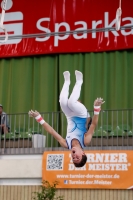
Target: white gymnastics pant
71 107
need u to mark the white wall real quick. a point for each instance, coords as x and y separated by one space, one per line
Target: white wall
21 170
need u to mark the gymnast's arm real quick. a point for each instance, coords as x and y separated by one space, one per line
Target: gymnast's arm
58 137
48 128
97 107
90 132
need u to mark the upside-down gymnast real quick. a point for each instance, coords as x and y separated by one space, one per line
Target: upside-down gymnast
77 137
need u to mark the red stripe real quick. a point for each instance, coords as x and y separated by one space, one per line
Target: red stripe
97 110
39 119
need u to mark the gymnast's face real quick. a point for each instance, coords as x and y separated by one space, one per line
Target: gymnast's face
76 154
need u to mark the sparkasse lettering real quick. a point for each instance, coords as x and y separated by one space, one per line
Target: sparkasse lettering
83 26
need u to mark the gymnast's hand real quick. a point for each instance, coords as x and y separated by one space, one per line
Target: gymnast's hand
98 102
33 113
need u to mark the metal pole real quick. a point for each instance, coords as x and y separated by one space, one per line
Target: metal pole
11 37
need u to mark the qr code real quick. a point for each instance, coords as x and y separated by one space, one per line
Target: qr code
55 161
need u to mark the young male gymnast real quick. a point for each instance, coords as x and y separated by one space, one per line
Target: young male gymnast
77 137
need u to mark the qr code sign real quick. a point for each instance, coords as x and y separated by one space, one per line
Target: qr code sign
55 161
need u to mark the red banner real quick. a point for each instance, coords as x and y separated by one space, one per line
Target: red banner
30 17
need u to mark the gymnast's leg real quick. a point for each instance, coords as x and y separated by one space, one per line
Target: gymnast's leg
64 94
77 108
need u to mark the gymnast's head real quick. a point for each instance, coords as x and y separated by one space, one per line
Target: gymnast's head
78 156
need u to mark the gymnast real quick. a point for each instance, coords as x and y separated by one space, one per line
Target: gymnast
78 135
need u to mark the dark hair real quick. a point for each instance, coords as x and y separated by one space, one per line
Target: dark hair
82 162
89 124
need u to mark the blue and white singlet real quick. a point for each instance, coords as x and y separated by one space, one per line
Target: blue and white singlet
76 130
